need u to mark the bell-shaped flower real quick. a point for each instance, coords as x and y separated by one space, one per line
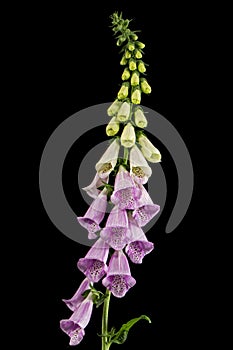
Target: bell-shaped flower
128 136
136 96
125 74
123 92
124 112
107 162
92 189
126 192
139 118
116 232
140 170
94 215
113 108
150 152
75 325
74 302
139 246
118 279
93 265
146 88
146 209
141 66
113 127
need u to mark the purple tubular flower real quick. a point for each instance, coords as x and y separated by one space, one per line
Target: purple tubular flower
126 192
116 232
94 215
140 246
77 299
118 279
92 189
94 264
75 325
145 209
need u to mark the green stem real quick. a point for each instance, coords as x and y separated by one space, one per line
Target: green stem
126 155
105 344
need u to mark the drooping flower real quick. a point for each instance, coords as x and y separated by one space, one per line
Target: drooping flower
94 214
146 209
139 118
113 108
108 160
139 168
126 192
139 246
92 189
118 279
93 265
113 127
128 137
75 325
124 112
116 232
150 152
74 302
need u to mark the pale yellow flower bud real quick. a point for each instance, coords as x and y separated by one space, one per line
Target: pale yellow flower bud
146 88
138 54
131 46
136 96
140 119
128 137
124 112
140 44
125 74
113 127
134 79
141 67
150 152
127 54
132 64
123 92
113 109
123 61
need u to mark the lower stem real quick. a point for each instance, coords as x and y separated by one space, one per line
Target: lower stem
105 344
126 155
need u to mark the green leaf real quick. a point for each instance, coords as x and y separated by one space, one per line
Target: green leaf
121 336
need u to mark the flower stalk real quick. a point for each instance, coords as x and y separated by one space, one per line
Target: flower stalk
105 338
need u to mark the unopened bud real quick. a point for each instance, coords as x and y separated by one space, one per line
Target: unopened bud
135 79
123 92
138 54
113 127
146 88
113 109
139 118
140 45
123 61
132 64
136 96
127 54
128 136
124 112
125 74
131 46
141 67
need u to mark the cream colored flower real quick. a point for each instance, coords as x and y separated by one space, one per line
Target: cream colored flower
150 152
128 136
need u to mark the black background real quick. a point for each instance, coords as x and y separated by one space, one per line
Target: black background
69 62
